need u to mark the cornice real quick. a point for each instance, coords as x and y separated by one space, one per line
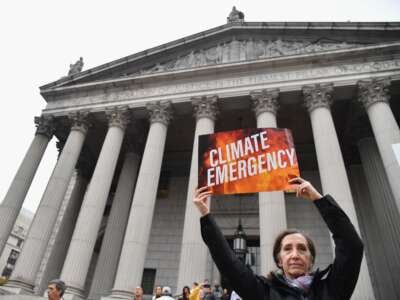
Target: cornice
229 68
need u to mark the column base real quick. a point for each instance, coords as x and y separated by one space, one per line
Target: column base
72 297
73 293
17 287
119 294
21 297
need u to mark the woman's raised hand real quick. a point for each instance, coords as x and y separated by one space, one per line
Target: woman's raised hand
305 189
201 199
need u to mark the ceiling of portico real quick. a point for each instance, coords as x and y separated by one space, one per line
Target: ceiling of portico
233 43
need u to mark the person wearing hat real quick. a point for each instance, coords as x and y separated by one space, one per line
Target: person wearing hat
55 289
166 293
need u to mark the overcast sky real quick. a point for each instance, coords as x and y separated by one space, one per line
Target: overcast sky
39 39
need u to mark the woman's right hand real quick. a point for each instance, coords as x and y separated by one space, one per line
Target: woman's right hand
202 200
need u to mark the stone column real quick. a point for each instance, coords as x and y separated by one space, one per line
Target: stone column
57 247
334 181
374 95
193 259
133 254
114 235
384 207
12 203
28 263
272 209
80 251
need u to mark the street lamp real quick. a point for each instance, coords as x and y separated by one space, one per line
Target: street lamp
239 242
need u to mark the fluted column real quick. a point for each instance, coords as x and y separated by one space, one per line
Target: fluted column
80 251
12 203
114 235
318 99
193 259
28 263
272 209
133 254
57 247
387 216
374 95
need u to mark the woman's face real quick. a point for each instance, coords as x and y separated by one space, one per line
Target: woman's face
295 257
186 291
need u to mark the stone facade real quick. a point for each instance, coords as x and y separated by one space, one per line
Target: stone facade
117 210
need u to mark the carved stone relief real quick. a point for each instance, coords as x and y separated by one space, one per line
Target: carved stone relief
242 50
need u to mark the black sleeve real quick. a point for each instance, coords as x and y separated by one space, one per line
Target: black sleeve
344 273
243 280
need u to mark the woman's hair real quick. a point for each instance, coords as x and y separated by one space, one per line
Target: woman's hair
183 292
281 236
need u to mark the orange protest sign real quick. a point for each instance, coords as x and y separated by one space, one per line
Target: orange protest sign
247 160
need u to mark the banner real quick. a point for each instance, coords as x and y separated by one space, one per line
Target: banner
247 160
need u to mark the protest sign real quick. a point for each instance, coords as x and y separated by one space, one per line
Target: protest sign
247 160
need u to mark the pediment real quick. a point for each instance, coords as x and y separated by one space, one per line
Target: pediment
236 43
244 50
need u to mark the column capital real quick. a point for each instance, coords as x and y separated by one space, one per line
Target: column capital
160 112
118 117
205 107
317 95
80 121
45 126
265 101
374 90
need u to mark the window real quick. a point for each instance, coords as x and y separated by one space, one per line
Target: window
149 276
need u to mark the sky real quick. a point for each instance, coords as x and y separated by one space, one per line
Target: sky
41 38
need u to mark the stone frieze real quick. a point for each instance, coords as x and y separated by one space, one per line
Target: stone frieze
242 50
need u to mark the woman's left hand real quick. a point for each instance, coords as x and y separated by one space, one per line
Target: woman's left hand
201 199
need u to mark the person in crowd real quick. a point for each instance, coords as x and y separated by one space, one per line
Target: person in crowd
166 293
55 289
157 293
217 291
185 293
207 292
226 295
195 291
205 283
138 293
294 255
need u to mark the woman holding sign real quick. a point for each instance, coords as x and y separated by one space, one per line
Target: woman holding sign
294 255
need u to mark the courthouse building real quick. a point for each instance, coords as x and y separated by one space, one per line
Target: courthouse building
117 209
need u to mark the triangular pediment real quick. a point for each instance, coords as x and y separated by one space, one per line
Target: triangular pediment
245 50
233 43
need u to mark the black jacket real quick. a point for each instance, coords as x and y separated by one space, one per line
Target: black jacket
335 282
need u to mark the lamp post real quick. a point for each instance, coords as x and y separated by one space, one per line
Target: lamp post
239 242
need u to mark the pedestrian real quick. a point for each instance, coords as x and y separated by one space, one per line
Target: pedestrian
207 292
166 293
217 291
226 295
157 293
294 255
185 293
55 289
138 293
